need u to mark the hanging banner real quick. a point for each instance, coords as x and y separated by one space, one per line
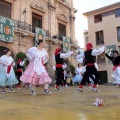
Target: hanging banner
66 44
39 34
110 49
6 29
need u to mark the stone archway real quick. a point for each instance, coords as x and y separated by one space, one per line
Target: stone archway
2 48
62 17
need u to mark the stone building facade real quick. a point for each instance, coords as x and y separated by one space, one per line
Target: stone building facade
104 29
56 17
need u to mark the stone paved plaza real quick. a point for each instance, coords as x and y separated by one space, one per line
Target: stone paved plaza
69 104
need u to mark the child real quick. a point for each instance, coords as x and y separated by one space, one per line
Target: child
69 77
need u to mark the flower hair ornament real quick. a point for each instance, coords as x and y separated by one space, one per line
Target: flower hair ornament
5 51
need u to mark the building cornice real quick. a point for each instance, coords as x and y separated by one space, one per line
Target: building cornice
102 8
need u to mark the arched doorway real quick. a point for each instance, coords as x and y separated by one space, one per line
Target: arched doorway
2 48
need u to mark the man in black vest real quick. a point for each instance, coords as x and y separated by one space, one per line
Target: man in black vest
59 58
19 71
89 56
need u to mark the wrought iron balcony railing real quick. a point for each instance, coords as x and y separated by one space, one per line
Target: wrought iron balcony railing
59 37
27 27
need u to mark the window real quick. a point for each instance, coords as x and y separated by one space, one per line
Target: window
98 18
111 12
5 9
62 29
118 33
105 14
36 20
117 12
99 38
108 13
119 49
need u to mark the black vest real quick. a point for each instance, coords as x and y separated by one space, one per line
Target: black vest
58 59
88 57
19 67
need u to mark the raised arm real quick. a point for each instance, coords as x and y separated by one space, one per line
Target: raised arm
80 56
65 55
109 57
98 51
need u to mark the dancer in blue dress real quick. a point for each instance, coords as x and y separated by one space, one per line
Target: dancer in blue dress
7 75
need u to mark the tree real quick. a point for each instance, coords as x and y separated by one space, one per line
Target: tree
72 69
21 56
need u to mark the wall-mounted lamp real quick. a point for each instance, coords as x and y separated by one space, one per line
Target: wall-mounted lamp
55 42
55 37
24 11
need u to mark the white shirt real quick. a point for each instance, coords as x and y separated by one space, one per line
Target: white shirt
93 53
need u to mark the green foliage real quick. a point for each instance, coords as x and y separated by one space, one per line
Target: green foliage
72 69
20 55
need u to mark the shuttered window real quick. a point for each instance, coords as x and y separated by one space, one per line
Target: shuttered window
62 30
36 20
5 9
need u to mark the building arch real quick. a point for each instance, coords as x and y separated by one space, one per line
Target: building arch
2 48
62 17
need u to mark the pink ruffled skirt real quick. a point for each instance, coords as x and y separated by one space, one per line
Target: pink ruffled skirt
30 76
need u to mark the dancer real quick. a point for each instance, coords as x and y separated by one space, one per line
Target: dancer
35 73
89 55
64 74
19 71
7 75
116 63
59 58
79 74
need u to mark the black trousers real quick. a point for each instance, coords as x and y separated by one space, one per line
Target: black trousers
18 74
90 70
60 76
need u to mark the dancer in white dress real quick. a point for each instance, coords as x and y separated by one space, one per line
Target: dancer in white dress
35 73
7 75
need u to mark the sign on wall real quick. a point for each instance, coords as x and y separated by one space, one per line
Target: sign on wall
39 34
110 49
6 29
66 44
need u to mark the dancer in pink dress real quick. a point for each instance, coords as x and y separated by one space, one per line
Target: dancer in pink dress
35 73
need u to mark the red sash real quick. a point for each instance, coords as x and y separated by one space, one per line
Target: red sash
19 70
9 68
90 64
115 67
59 65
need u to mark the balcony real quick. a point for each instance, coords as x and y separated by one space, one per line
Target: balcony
64 2
27 27
59 37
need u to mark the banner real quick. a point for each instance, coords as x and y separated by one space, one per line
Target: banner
66 44
6 29
39 34
110 49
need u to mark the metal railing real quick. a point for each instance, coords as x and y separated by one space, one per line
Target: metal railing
59 37
27 27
